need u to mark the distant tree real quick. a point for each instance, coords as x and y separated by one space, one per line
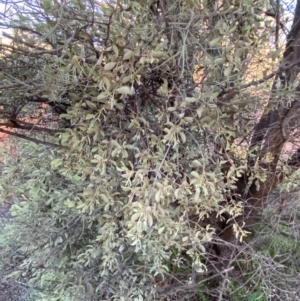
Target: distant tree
174 136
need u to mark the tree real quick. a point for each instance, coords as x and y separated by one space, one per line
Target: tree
171 144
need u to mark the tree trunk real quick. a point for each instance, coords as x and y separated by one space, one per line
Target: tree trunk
269 137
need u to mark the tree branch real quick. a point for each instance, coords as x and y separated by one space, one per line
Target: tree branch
16 124
37 141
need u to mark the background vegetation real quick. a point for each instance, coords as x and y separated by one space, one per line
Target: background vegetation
159 149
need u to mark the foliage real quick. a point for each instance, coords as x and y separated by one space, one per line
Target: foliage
169 143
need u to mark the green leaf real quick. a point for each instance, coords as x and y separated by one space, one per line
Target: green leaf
128 55
46 4
91 104
125 90
214 42
89 116
110 66
56 162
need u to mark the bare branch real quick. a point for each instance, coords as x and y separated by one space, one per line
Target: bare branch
37 141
